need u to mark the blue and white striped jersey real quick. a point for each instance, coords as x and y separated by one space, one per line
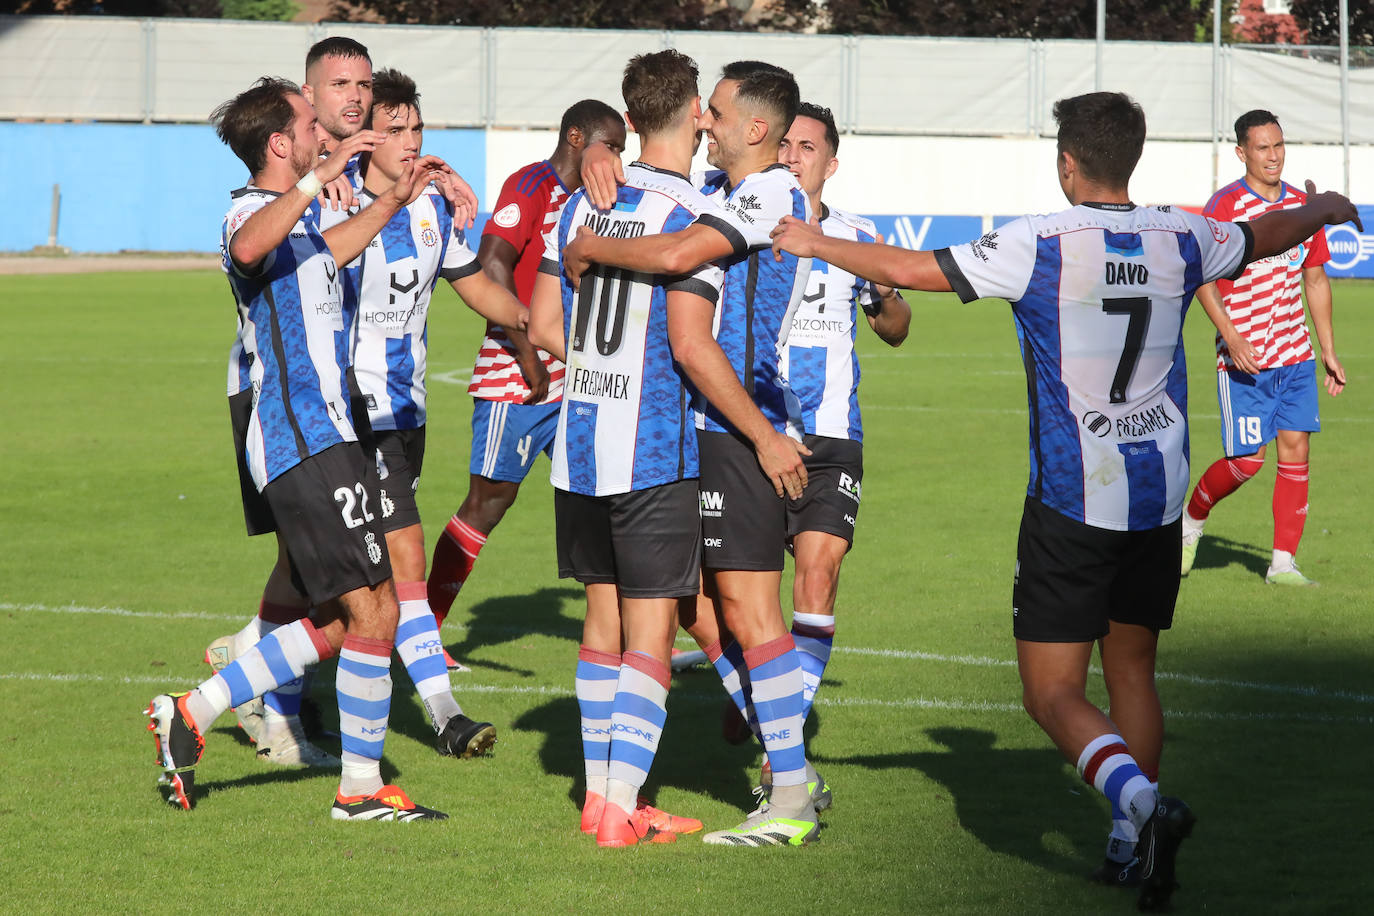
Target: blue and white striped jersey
625 423
292 343
328 219
819 362
1098 293
398 271
760 293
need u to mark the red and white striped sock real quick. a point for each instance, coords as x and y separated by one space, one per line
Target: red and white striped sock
454 556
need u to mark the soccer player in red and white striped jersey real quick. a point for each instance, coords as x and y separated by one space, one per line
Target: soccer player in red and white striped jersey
1266 374
516 387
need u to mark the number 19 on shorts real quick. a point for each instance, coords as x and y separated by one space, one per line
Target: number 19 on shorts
1248 431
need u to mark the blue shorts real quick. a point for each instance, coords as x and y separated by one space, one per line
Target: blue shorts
507 435
1255 407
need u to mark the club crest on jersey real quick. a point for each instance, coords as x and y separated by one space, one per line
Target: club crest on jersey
507 216
374 550
427 234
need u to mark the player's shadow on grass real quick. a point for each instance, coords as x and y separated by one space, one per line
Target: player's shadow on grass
691 755
1220 552
1016 802
497 621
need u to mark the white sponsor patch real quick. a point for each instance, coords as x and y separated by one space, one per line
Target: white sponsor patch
507 216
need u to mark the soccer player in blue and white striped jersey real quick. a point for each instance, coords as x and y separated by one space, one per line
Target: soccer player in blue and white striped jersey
1098 293
743 524
397 273
301 448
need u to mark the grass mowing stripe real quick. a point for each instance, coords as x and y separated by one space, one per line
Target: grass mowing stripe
1300 690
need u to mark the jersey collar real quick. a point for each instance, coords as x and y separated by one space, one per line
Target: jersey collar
1115 208
654 168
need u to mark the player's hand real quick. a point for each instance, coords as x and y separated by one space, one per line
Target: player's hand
1337 207
575 260
1243 354
1335 374
333 165
780 457
458 193
533 369
414 180
338 194
794 236
601 173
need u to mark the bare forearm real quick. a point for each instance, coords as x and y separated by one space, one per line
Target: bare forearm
884 264
348 239
1318 290
546 317
711 373
893 321
489 299
1210 298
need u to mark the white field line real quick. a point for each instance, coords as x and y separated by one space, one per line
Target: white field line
977 661
977 706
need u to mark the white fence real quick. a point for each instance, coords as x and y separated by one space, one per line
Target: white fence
177 70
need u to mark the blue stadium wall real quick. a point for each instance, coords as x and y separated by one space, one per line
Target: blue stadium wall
165 187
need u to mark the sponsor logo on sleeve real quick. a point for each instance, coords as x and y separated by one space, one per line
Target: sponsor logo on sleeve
1219 232
982 246
508 216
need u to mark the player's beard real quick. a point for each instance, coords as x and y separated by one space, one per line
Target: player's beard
304 157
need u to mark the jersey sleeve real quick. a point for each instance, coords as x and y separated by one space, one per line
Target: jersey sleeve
748 216
517 216
1317 251
997 265
459 259
1225 247
233 222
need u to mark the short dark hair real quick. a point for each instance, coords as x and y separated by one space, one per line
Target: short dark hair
1104 132
767 86
338 46
826 117
587 115
392 90
657 87
249 119
1257 118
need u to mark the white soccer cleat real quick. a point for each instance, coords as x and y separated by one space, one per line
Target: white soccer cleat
249 715
282 741
769 827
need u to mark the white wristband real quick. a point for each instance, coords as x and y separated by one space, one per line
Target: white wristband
310 185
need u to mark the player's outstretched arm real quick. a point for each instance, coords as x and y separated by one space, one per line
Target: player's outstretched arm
546 316
1242 352
602 173
348 239
1282 229
668 253
1317 290
267 228
696 351
491 300
884 264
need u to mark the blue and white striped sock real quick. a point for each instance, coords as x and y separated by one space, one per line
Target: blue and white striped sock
279 658
422 652
637 718
734 676
775 678
598 673
363 684
814 635
1107 765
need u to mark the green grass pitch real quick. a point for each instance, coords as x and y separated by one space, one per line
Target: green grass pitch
123 555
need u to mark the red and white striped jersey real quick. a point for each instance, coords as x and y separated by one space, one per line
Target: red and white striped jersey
1265 302
526 209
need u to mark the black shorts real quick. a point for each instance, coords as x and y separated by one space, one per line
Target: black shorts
400 454
834 486
330 520
257 515
1072 579
743 520
647 542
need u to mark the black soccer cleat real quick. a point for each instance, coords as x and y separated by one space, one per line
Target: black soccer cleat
465 738
179 747
1169 825
1117 874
